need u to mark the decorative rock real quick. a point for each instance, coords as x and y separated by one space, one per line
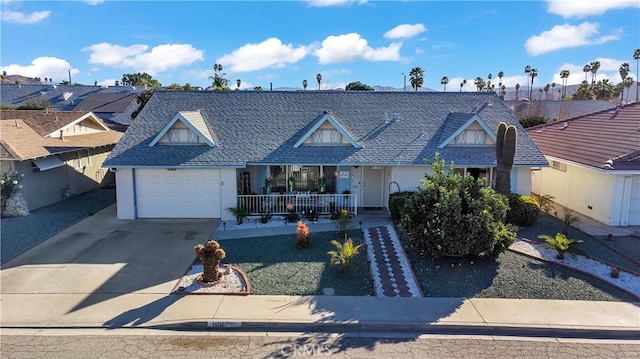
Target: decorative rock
15 206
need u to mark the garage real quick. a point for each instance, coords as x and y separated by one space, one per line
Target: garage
178 193
634 202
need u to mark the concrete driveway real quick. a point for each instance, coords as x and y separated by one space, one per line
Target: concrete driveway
99 259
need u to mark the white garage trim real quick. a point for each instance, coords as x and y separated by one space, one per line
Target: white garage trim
634 202
177 193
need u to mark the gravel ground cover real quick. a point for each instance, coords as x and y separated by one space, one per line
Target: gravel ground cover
511 275
593 247
275 266
21 233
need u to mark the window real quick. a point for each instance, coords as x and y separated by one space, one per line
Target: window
182 135
471 137
326 136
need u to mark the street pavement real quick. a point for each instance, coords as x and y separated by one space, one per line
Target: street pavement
108 273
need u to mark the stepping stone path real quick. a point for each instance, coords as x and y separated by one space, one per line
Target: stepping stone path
390 269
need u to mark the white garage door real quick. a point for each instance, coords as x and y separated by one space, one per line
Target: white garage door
634 202
180 193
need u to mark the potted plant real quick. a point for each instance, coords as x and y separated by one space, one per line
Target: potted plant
239 212
292 184
322 184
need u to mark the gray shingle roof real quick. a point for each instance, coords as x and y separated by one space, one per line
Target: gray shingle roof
262 127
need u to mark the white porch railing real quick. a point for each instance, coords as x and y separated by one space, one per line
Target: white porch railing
324 204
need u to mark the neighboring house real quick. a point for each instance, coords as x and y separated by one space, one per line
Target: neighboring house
197 153
595 164
557 110
115 103
60 153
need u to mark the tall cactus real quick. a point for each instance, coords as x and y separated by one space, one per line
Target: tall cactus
505 153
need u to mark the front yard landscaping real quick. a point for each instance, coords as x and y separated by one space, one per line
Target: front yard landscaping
275 266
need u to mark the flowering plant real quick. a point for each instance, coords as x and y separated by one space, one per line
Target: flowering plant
10 183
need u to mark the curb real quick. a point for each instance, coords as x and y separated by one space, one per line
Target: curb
619 333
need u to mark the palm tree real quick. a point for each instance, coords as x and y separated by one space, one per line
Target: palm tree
595 66
238 82
527 71
586 70
564 75
517 90
553 88
304 84
444 81
546 91
533 73
500 76
627 83
624 71
464 82
503 92
416 77
636 56
319 79
480 84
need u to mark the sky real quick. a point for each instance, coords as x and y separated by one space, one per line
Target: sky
279 44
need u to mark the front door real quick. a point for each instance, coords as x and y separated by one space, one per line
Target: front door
372 191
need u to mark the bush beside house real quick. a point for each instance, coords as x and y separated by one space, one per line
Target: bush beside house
523 210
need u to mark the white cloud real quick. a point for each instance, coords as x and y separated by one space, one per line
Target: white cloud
269 53
583 8
567 36
329 3
24 18
351 47
51 67
608 70
136 57
405 31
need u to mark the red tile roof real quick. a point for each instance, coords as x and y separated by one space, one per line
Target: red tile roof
592 140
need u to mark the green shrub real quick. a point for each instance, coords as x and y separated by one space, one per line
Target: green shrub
560 243
523 210
451 215
533 121
344 253
396 203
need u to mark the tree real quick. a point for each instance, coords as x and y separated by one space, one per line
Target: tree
304 84
533 74
546 91
517 90
586 69
257 88
65 82
479 82
464 82
636 56
503 92
553 88
500 76
358 86
584 92
220 83
564 75
452 215
416 77
624 71
319 79
238 83
595 66
527 71
142 99
627 83
444 81
532 121
604 90
140 79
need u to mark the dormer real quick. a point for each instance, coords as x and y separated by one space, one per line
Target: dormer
466 130
327 131
185 128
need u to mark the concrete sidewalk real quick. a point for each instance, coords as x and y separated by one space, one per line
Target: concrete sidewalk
108 273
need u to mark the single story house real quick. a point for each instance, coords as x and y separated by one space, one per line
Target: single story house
60 153
197 153
594 164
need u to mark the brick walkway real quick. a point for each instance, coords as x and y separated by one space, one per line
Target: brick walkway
392 274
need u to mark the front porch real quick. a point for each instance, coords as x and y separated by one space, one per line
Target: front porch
299 202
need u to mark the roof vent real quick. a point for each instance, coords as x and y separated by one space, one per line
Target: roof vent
67 95
396 117
564 125
608 165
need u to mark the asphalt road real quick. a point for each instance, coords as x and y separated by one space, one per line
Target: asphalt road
148 344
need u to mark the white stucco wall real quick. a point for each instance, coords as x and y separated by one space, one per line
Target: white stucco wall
125 196
585 191
521 180
408 178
